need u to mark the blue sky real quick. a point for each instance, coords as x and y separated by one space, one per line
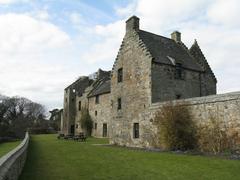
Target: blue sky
47 44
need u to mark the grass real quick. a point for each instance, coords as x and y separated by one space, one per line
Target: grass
7 146
52 159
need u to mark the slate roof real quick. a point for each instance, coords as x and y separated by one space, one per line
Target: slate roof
164 50
80 85
102 88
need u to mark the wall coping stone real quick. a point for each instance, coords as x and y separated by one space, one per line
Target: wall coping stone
201 100
12 163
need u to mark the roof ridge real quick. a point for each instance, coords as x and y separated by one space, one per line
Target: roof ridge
157 35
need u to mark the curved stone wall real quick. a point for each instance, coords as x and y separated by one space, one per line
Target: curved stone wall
12 163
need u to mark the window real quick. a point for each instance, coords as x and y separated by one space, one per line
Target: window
97 99
178 71
76 126
119 103
120 75
79 105
95 113
178 96
136 130
95 126
104 130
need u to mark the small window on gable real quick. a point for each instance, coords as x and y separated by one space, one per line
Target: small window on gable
120 75
97 99
136 130
119 104
79 105
178 71
178 96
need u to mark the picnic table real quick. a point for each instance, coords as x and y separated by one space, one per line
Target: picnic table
80 137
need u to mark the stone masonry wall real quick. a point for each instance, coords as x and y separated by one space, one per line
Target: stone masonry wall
101 114
134 90
84 104
12 163
165 87
208 84
225 107
69 110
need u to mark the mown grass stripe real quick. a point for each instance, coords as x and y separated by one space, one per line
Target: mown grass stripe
51 159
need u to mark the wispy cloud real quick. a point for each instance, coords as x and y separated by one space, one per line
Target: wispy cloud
44 46
12 1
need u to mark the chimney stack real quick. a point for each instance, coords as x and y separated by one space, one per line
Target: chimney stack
176 36
132 24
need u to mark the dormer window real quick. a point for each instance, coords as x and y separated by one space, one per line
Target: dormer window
120 75
178 71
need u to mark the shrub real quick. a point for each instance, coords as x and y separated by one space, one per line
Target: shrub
86 121
176 130
216 136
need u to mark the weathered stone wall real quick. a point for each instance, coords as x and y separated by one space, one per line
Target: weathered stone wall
101 114
166 87
69 110
84 104
226 107
134 90
208 79
11 164
223 107
61 121
208 84
69 105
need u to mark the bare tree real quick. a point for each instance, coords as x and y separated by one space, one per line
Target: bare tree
17 114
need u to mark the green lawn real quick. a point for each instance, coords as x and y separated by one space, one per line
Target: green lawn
52 159
8 146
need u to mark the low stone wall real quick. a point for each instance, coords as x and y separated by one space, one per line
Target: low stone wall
223 107
12 163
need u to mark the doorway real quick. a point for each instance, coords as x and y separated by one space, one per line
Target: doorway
72 129
104 130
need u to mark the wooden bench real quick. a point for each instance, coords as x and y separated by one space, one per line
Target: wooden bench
69 136
80 137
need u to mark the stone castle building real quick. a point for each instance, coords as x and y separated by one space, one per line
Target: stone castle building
149 69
